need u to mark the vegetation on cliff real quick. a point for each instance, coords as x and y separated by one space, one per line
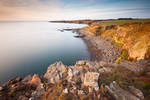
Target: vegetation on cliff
131 35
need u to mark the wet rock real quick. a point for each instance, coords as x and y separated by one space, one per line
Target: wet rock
80 36
118 93
91 80
55 72
136 92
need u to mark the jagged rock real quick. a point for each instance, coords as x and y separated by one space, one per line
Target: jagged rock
91 80
35 80
11 82
136 92
55 72
81 92
27 79
18 87
72 72
118 93
81 62
65 90
40 90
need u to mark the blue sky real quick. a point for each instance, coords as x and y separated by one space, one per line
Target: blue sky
73 9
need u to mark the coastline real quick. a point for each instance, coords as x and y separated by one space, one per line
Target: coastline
104 48
94 53
98 79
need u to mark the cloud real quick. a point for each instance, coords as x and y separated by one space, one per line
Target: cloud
27 9
22 3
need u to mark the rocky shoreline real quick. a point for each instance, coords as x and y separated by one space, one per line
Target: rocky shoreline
98 79
60 82
108 52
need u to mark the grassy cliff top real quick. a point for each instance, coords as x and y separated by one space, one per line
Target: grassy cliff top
122 22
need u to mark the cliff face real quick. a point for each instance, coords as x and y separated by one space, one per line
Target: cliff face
135 38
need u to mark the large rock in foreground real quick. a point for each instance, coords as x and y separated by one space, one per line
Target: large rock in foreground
120 94
55 72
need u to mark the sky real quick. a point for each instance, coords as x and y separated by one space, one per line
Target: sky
16 10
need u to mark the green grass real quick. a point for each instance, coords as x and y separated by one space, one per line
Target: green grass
124 56
122 22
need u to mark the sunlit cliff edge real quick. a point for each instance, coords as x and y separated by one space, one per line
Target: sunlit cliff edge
133 36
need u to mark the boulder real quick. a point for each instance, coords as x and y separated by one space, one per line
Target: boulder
55 72
91 80
136 92
118 93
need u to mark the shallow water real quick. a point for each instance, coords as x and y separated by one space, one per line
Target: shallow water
30 47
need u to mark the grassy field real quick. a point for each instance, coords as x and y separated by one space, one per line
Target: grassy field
122 22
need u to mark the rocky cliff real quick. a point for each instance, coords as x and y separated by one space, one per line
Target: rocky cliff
135 37
85 80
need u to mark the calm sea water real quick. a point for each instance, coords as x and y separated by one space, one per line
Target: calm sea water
30 47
